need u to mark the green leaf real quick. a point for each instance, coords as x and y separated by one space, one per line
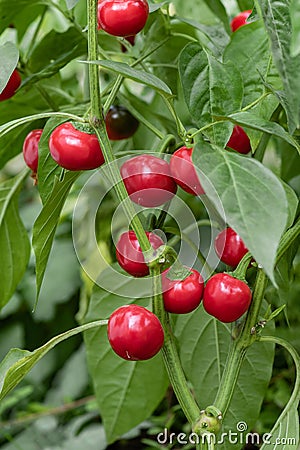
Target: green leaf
293 203
277 20
286 430
204 343
9 57
14 242
219 10
251 120
54 52
295 18
253 62
46 223
17 363
9 126
137 75
71 3
249 195
48 170
211 88
127 392
9 9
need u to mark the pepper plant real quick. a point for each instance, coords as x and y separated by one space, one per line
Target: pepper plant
208 140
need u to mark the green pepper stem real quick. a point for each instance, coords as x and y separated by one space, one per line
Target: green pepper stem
170 354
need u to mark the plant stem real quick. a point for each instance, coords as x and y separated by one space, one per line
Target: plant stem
93 56
98 123
170 355
238 351
49 412
287 239
295 355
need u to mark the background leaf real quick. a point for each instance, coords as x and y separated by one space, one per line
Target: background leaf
10 9
252 198
14 242
277 20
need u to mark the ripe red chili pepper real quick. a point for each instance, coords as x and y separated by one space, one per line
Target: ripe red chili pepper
240 20
11 87
30 149
74 149
129 253
230 247
122 17
182 296
226 297
135 333
183 171
239 140
148 180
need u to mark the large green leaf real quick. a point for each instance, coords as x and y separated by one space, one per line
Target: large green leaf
204 344
249 50
45 225
219 10
55 51
127 392
137 75
17 363
277 19
211 89
295 18
285 432
9 57
14 242
252 198
212 37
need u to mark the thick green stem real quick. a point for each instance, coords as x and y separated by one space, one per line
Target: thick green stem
248 334
238 351
287 239
93 56
170 355
98 123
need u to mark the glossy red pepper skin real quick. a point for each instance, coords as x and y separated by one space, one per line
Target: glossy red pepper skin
11 87
183 171
130 256
30 149
73 149
122 17
239 140
240 20
226 297
182 296
134 333
230 247
148 180
120 123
